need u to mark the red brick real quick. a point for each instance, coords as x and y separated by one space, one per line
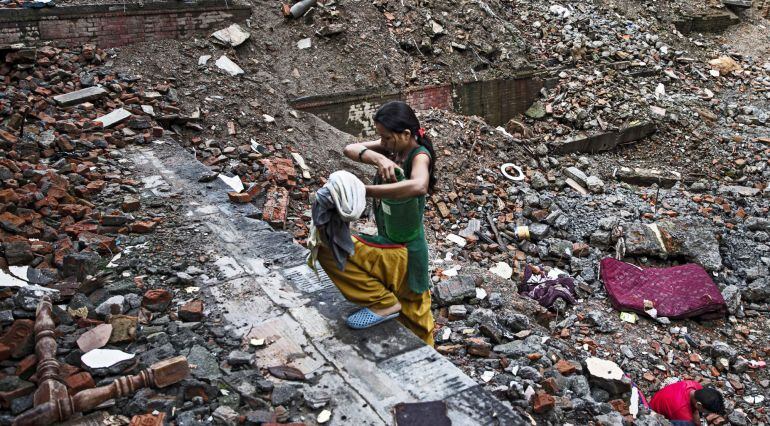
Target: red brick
156 300
77 228
95 186
191 311
620 406
8 196
41 247
143 227
580 249
130 204
102 243
148 420
543 402
75 210
551 386
281 170
478 346
240 197
276 207
18 338
26 367
8 136
12 219
565 367
79 381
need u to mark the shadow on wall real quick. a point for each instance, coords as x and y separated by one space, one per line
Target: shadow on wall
497 101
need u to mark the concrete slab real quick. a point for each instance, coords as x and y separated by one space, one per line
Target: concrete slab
114 118
281 293
306 280
80 96
347 406
286 345
476 406
316 326
372 383
604 141
738 3
374 344
426 374
229 267
243 303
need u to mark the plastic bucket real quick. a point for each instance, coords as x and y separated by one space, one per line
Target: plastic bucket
402 219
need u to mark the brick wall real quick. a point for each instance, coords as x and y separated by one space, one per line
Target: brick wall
430 97
111 25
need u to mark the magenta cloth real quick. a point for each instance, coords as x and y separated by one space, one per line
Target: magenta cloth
678 292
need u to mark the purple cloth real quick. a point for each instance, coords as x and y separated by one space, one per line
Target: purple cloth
546 291
678 292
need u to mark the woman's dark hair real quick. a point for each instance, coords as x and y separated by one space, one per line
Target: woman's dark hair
398 117
711 399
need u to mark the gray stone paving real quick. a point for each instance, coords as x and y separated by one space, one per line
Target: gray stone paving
269 293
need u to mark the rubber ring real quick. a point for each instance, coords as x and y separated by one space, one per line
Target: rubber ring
506 166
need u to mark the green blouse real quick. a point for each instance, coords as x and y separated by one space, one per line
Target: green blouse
418 274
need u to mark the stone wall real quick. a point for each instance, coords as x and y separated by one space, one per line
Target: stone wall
116 25
495 100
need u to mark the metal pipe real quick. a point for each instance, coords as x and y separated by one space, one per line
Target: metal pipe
301 8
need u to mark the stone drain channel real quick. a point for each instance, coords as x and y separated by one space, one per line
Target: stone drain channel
270 293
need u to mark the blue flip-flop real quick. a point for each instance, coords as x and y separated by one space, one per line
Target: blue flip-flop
365 318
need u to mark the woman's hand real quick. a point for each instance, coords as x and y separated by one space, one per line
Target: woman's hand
387 168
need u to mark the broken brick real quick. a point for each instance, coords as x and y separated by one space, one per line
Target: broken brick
8 196
281 171
239 197
130 204
543 402
101 243
143 227
8 218
191 311
19 339
478 347
79 381
276 207
148 419
26 367
75 210
550 386
565 367
156 300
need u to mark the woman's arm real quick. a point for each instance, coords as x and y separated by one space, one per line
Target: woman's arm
351 151
373 154
414 187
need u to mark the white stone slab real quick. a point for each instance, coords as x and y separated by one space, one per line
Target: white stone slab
80 96
113 118
104 358
224 63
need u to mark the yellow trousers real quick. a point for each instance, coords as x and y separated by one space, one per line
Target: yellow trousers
375 277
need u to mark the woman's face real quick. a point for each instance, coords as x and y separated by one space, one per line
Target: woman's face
393 141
